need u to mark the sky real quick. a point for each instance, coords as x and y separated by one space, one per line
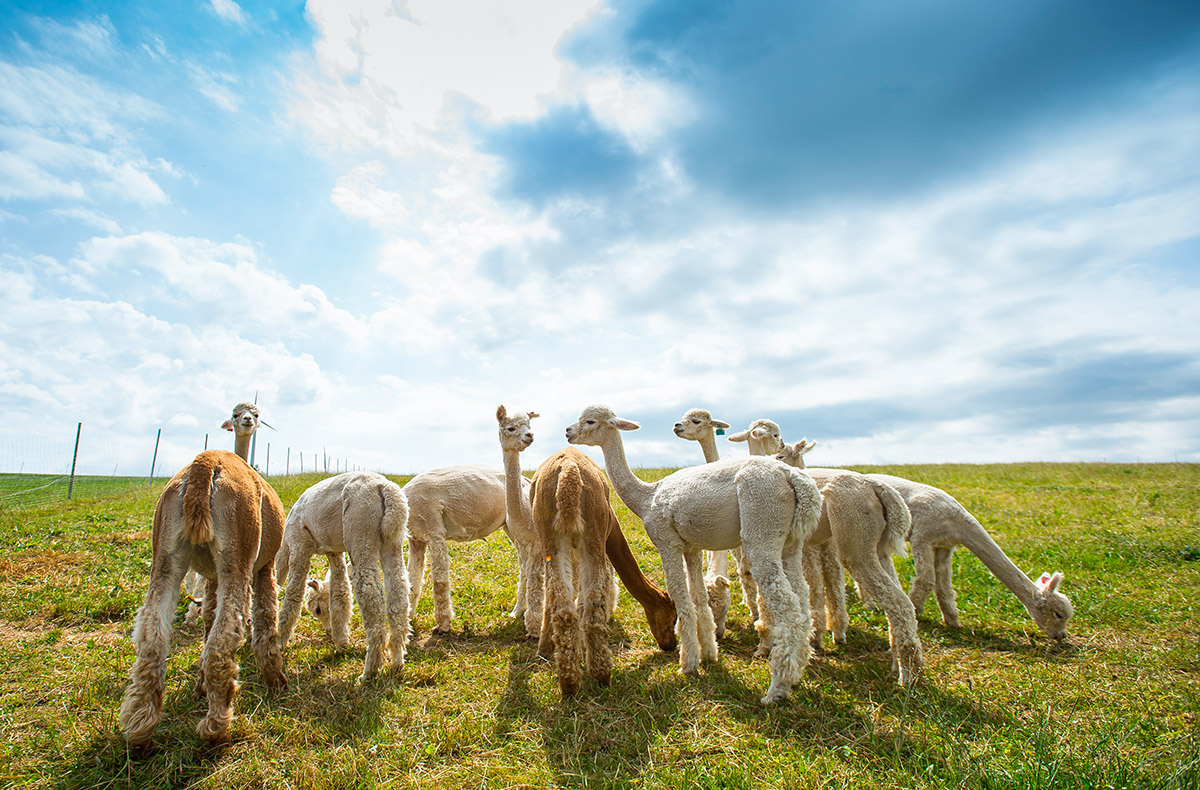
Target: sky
916 232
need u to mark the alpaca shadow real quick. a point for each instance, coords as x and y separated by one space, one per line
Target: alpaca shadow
1034 643
580 734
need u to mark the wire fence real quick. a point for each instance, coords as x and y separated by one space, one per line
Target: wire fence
36 470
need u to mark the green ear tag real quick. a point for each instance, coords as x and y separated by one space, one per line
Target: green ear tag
720 432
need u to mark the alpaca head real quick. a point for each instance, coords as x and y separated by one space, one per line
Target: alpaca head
1051 609
793 454
515 433
595 423
316 601
244 421
719 598
697 424
763 436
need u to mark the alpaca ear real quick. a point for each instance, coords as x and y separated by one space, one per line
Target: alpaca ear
227 425
501 413
316 585
623 425
724 426
804 445
740 436
758 433
721 583
1055 581
533 414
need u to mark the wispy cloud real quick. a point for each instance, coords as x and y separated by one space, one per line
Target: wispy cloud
229 11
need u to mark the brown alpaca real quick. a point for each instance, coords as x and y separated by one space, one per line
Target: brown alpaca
220 518
572 516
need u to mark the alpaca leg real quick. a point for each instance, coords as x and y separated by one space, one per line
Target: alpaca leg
787 614
264 634
533 568
943 565
141 709
749 587
594 577
706 626
685 612
439 577
814 576
395 580
341 603
835 593
299 562
564 617
368 591
416 574
219 658
902 621
208 613
924 565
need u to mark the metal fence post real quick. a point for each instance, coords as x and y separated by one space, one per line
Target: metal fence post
154 460
74 458
267 469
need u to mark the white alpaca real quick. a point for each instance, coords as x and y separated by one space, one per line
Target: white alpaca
463 503
865 521
363 514
193 588
757 503
218 516
939 524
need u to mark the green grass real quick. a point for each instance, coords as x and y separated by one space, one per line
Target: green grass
999 706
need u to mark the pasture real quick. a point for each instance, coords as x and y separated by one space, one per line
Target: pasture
999 706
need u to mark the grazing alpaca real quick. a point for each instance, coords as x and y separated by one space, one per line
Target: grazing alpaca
462 503
939 524
866 521
218 516
767 508
363 514
572 515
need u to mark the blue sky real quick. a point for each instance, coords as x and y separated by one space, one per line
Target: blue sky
916 232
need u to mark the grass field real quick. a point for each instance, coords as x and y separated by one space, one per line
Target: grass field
999 706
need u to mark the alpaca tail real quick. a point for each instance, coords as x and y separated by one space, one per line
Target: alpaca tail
568 494
395 513
897 517
808 503
197 512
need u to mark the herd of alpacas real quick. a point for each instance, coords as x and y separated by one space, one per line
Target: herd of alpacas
793 531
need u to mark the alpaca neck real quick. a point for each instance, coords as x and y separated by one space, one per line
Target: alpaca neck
980 543
634 492
517 507
708 443
241 446
644 591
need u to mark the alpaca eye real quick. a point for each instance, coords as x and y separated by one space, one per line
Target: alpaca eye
695 422
317 610
591 422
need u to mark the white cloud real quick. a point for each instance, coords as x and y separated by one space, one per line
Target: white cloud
229 11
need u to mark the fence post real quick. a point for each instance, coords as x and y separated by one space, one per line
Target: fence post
206 441
287 463
154 460
301 462
74 458
267 471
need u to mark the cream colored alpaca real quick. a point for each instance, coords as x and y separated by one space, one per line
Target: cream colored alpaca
758 503
515 435
866 522
463 503
939 524
217 516
363 514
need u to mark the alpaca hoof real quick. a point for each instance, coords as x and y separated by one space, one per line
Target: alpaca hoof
213 733
141 749
277 685
951 622
839 639
774 696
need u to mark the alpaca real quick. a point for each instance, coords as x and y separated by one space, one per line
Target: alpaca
660 611
572 515
939 524
515 436
763 435
463 503
193 588
865 521
219 516
758 503
363 514
317 598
